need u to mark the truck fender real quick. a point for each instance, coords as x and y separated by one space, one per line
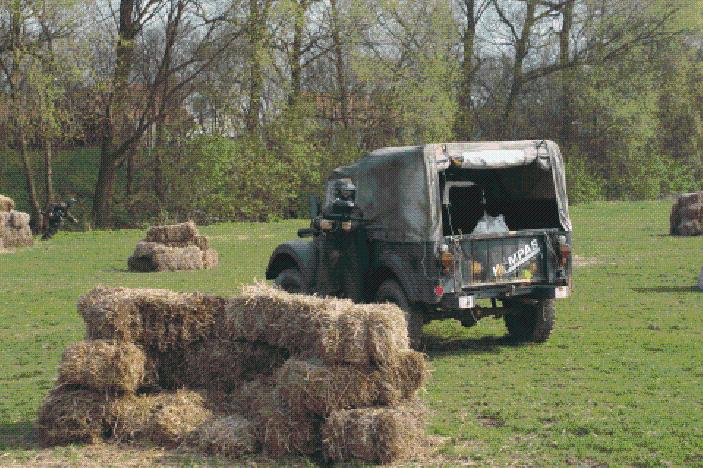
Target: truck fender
299 253
390 265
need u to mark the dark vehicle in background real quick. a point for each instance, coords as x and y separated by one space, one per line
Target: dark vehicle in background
442 230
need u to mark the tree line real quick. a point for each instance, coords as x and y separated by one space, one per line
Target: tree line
237 109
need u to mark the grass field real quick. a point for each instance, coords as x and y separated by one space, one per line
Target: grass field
619 382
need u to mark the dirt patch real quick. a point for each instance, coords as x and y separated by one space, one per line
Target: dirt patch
586 261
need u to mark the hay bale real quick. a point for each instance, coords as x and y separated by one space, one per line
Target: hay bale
70 415
335 330
230 436
284 433
13 236
686 217
223 364
210 258
19 219
7 204
310 386
151 257
112 314
375 435
700 280
156 319
182 232
166 418
102 365
279 431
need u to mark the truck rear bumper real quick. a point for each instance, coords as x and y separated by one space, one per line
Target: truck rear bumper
467 298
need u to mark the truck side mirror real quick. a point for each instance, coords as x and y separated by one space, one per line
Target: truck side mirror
315 207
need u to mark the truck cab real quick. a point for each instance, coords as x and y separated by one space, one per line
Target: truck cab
440 230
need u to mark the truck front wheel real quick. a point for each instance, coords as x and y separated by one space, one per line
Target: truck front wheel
290 280
391 291
532 320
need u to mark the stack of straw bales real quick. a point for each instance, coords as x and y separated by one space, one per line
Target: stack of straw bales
687 215
173 247
265 371
14 226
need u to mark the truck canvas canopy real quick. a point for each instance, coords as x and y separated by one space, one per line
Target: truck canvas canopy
400 190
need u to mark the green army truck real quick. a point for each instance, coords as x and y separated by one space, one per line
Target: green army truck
453 230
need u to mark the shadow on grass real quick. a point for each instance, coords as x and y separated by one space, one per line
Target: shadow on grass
439 345
668 289
18 436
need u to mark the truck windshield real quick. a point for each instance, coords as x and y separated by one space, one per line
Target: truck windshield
524 196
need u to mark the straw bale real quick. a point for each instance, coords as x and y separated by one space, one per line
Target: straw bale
375 435
310 386
156 319
283 433
112 313
335 330
150 256
694 211
70 415
176 320
172 233
19 219
102 365
279 430
164 418
7 204
223 364
230 436
700 280
210 258
12 236
692 227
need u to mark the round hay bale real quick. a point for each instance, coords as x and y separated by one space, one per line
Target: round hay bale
7 204
691 227
69 416
700 280
375 435
182 232
230 436
103 365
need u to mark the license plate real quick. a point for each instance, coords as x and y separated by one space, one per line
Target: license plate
466 302
562 292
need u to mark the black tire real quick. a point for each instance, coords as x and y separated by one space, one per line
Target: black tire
290 280
391 291
532 320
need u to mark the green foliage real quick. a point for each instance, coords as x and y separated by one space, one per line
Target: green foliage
583 183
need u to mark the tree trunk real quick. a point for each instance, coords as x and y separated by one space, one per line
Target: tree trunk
564 56
464 127
117 104
37 219
296 56
159 190
129 190
255 74
343 96
521 49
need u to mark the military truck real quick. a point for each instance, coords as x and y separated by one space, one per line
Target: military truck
453 230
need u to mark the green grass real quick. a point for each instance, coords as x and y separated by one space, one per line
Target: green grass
619 382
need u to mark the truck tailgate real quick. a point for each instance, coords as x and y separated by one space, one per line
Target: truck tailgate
516 257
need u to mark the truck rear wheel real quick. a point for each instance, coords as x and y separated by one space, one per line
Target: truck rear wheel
290 280
391 291
532 320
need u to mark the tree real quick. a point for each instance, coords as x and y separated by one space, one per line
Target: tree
175 76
